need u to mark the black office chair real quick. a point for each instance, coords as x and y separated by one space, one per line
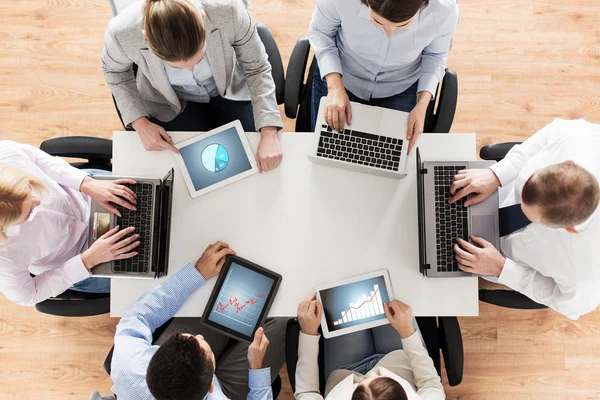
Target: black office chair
275 386
504 298
98 154
298 94
266 36
441 333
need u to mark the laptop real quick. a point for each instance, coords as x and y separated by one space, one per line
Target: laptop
441 223
375 142
152 221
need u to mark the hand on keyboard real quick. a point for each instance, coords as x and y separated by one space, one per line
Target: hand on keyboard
479 182
113 245
483 260
110 193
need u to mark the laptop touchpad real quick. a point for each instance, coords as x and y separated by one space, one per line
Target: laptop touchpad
483 226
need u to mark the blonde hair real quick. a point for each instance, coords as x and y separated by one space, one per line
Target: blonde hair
15 187
174 28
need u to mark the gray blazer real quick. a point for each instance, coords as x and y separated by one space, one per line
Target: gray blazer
236 54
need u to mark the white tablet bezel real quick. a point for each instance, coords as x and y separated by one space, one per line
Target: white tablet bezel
205 135
366 325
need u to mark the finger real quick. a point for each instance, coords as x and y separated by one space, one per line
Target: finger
474 199
258 164
412 142
110 233
349 113
127 255
129 193
312 297
481 241
127 249
258 336
121 234
459 182
466 268
124 192
319 309
120 201
166 136
110 208
410 128
217 246
342 119
460 194
462 254
126 241
328 116
335 118
467 246
224 253
464 262
388 312
264 342
125 182
312 307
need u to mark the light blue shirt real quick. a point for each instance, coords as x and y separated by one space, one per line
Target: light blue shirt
373 65
133 341
198 85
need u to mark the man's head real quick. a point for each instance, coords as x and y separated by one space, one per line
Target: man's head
560 196
379 388
181 369
175 32
391 15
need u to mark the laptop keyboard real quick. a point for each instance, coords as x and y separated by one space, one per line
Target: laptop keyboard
141 219
451 219
360 148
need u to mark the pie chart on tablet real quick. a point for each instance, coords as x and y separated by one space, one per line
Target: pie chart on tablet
215 157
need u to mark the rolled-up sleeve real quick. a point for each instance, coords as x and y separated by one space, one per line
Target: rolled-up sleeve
259 382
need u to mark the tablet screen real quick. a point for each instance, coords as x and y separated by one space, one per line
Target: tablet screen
354 303
241 300
215 159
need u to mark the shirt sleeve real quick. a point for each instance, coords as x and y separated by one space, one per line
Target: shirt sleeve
508 168
21 288
134 331
259 382
427 381
544 290
435 55
324 26
307 368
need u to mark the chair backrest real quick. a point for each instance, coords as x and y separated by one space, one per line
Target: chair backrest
117 6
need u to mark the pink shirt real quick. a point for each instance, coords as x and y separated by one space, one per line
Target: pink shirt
50 242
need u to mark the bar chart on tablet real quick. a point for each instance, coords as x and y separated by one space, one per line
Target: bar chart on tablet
365 307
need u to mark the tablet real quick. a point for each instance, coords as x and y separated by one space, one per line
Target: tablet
241 299
216 158
354 304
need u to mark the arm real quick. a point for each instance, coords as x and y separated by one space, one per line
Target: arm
324 26
428 383
435 55
252 57
259 382
307 368
118 72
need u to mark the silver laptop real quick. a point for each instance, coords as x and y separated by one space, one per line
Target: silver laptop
152 221
374 143
441 223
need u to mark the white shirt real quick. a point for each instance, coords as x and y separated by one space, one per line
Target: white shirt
552 266
50 242
198 85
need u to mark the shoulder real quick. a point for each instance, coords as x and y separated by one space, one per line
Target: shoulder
8 148
220 9
445 12
127 26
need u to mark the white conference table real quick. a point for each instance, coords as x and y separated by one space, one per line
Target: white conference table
311 223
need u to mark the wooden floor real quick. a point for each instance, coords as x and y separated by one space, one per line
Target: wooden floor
520 64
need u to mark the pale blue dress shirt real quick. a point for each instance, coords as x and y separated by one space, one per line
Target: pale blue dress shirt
133 341
373 65
198 85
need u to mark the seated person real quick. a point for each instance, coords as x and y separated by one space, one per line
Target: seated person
200 64
384 363
549 225
191 361
44 220
385 53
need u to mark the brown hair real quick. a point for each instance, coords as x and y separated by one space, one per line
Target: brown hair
174 28
396 10
567 194
383 388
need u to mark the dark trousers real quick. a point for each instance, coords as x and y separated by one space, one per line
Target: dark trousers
404 101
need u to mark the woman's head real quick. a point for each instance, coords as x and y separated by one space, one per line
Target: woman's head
16 198
379 388
391 15
175 31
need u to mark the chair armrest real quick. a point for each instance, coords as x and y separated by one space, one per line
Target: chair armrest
429 331
451 344
446 108
509 299
292 337
294 80
108 360
86 147
266 36
75 307
496 151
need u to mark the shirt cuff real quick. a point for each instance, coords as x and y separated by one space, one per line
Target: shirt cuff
190 277
511 274
259 378
75 270
428 82
74 179
413 341
504 171
329 64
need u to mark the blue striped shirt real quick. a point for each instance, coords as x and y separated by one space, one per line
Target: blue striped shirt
133 341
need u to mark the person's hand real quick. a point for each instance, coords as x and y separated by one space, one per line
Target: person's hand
483 182
416 124
257 350
401 317
107 192
111 246
154 137
338 109
268 153
212 260
482 260
309 315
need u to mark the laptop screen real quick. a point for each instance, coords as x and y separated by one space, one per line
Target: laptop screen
165 194
421 213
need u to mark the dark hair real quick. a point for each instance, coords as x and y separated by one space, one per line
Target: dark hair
566 193
382 388
396 10
174 29
180 370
